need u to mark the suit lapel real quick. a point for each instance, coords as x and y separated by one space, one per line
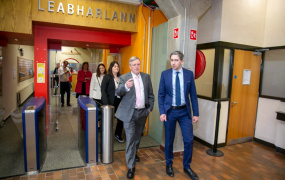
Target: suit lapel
169 75
185 81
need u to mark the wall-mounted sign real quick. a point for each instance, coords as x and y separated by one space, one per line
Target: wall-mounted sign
99 14
193 34
25 69
246 77
175 33
40 72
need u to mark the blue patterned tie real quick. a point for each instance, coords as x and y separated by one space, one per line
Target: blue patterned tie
177 90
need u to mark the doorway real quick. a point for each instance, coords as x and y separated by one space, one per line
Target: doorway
244 97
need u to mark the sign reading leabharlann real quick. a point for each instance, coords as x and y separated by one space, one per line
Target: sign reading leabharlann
88 13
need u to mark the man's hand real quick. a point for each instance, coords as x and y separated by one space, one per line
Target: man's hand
163 117
195 119
130 83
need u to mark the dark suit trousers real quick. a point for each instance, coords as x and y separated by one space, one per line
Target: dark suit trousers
180 115
65 87
133 130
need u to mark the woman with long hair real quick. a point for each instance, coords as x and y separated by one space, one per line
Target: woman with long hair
95 86
83 80
109 85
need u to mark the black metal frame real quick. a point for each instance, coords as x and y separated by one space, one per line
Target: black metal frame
219 47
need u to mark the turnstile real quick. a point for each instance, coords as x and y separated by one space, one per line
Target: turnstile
87 129
34 134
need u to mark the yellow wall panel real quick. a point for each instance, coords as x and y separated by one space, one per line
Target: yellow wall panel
15 16
106 15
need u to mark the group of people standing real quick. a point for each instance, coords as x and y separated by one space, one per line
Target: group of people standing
132 96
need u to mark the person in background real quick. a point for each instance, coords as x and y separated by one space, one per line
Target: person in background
109 97
56 78
70 77
83 80
64 74
176 90
95 86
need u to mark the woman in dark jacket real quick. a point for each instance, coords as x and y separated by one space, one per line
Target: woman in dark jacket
109 84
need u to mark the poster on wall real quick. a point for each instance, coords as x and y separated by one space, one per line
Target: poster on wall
40 72
25 69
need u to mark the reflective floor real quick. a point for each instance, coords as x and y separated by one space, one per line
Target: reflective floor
62 151
247 161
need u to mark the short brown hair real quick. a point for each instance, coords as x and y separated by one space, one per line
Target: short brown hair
180 54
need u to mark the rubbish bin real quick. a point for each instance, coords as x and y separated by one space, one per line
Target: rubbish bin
107 147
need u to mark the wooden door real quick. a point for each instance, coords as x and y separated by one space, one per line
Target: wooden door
244 96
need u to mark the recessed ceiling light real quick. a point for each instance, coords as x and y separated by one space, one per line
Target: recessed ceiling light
87 45
16 39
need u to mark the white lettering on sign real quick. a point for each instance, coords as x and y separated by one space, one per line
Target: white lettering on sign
39 7
50 6
98 12
60 8
90 12
115 16
80 11
70 9
106 15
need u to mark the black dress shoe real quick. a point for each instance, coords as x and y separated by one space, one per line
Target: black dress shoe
131 173
169 171
68 105
137 158
191 173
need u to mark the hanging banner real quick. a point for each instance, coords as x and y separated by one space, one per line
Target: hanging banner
40 72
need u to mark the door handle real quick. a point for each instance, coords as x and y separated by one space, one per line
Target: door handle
233 102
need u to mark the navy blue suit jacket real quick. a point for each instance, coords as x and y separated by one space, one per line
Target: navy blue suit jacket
165 92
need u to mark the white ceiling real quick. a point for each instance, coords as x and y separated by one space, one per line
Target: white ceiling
135 2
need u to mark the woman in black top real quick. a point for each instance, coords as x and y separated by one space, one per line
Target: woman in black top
109 84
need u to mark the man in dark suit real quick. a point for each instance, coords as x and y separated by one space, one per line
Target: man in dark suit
135 88
176 84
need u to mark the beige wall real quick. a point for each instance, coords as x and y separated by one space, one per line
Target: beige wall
85 55
243 21
275 26
10 80
254 22
209 26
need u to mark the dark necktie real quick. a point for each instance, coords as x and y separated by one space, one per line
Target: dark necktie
177 90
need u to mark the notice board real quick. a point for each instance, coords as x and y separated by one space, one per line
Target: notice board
25 69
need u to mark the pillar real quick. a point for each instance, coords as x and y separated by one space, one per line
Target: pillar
183 14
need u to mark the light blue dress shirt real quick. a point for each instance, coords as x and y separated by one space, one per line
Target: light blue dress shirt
181 79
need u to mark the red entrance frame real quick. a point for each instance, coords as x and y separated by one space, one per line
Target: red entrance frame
43 34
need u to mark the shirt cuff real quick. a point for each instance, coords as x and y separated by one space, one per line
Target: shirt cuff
127 89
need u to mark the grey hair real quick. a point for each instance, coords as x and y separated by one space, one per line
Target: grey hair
180 54
133 59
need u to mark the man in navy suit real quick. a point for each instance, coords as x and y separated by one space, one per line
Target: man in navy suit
176 84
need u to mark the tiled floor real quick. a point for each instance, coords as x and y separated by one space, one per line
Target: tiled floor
243 161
